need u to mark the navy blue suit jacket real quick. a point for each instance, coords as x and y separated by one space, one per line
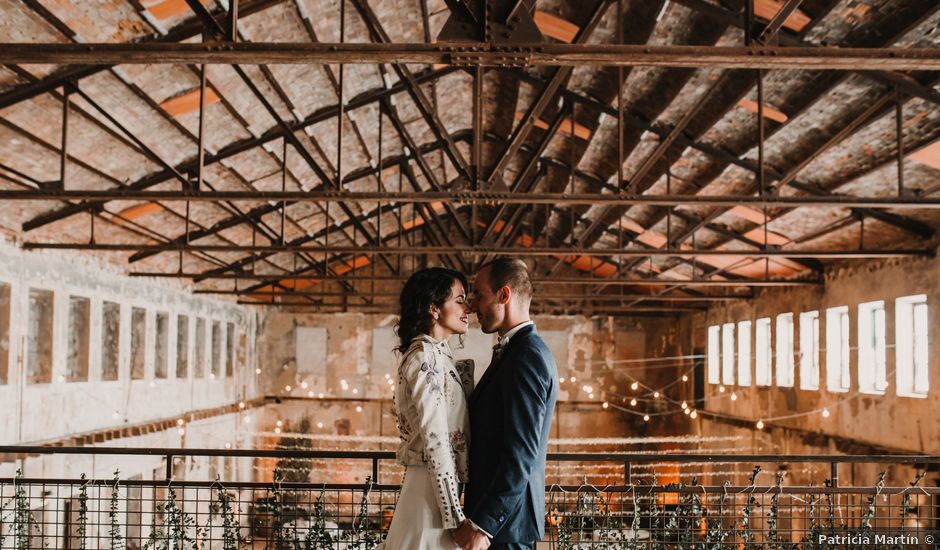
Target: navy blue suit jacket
510 416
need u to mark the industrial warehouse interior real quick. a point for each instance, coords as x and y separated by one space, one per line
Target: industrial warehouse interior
729 210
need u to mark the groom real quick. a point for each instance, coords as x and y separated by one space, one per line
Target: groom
510 415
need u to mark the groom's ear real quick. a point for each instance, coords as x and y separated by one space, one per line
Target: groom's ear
504 295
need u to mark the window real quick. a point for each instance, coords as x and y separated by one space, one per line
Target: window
229 349
809 350
182 346
872 348
200 366
138 340
744 353
785 350
161 345
5 303
727 354
216 350
763 352
911 346
110 340
79 339
838 378
39 337
714 354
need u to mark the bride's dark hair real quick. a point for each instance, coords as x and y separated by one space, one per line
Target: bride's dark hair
425 287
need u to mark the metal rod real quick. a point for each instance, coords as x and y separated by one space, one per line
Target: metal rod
202 126
63 157
482 198
467 249
457 53
540 281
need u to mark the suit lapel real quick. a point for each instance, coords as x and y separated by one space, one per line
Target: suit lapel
495 365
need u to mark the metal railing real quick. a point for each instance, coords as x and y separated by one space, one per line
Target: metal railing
623 501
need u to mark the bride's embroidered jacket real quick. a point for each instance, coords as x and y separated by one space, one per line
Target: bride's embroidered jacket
433 418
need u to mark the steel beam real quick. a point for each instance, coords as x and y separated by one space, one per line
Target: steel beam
515 251
483 198
248 276
475 53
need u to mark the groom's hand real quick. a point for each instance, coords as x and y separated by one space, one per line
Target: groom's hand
469 538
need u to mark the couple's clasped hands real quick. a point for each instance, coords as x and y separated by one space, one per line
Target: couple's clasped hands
469 538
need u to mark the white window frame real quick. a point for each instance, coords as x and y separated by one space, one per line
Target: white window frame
912 348
713 363
744 353
838 354
784 348
872 348
727 354
809 350
763 353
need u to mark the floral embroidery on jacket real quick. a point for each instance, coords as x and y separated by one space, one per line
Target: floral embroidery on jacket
433 418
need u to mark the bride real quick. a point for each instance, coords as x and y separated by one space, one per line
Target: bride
431 401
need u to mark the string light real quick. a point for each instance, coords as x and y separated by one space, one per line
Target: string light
277 430
605 405
685 405
257 371
358 408
303 384
686 411
320 425
646 417
693 414
561 379
685 377
241 404
287 388
734 396
825 413
572 379
279 423
310 393
721 389
180 422
590 396
635 386
633 402
760 424
656 395
182 431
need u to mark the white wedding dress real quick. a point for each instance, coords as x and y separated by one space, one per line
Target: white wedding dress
433 418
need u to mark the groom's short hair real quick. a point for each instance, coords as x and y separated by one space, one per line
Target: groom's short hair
512 273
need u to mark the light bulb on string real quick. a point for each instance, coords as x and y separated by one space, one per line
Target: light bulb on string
686 411
635 386
288 388
825 413
721 389
605 405
646 418
572 379
685 378
734 396
760 424
633 402
693 414
590 396
277 430
685 405
655 395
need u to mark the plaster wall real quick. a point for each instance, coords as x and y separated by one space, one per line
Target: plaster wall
889 420
34 412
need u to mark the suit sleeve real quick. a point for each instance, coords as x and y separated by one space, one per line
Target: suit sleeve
526 404
426 384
